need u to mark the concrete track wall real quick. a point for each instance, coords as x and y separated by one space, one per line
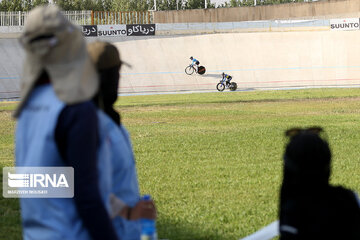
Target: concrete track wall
263 60
255 60
332 8
11 58
217 27
232 27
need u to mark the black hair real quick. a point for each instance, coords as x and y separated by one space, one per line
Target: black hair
107 93
43 78
307 158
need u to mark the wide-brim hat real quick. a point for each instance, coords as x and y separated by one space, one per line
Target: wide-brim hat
55 45
105 55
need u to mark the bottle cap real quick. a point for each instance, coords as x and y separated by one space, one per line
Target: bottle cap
146 197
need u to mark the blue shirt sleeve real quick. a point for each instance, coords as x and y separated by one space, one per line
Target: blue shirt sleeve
77 137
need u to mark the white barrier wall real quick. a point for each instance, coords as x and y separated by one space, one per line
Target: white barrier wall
255 60
11 59
283 59
200 28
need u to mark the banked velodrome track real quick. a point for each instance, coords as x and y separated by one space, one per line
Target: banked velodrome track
11 58
264 60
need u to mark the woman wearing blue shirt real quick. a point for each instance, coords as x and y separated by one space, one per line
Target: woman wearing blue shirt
127 208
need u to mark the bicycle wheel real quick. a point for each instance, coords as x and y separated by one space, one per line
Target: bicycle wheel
201 70
233 86
220 87
189 70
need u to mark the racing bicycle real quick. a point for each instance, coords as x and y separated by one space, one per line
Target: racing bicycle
224 84
191 69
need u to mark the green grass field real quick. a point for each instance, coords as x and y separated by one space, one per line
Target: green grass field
213 161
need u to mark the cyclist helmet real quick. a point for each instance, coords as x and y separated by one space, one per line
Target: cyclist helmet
191 58
223 74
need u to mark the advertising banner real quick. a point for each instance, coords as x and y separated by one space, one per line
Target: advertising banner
90 30
118 30
111 30
346 24
140 29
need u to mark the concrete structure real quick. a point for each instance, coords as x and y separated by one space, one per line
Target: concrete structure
245 26
255 60
328 9
11 58
258 54
217 27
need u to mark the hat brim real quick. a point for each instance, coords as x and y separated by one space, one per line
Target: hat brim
70 69
75 81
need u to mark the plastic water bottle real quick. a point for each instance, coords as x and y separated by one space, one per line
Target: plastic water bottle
148 226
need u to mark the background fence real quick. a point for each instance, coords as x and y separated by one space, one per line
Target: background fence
12 18
84 18
100 18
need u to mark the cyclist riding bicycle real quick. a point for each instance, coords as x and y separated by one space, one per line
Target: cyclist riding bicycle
195 63
226 78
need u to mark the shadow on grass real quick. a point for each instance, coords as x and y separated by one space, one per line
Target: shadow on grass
10 222
177 230
220 101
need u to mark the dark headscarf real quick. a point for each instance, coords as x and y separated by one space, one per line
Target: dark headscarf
307 160
107 95
106 58
308 203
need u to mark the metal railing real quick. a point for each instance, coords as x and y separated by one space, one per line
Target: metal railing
100 18
84 18
12 18
79 17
